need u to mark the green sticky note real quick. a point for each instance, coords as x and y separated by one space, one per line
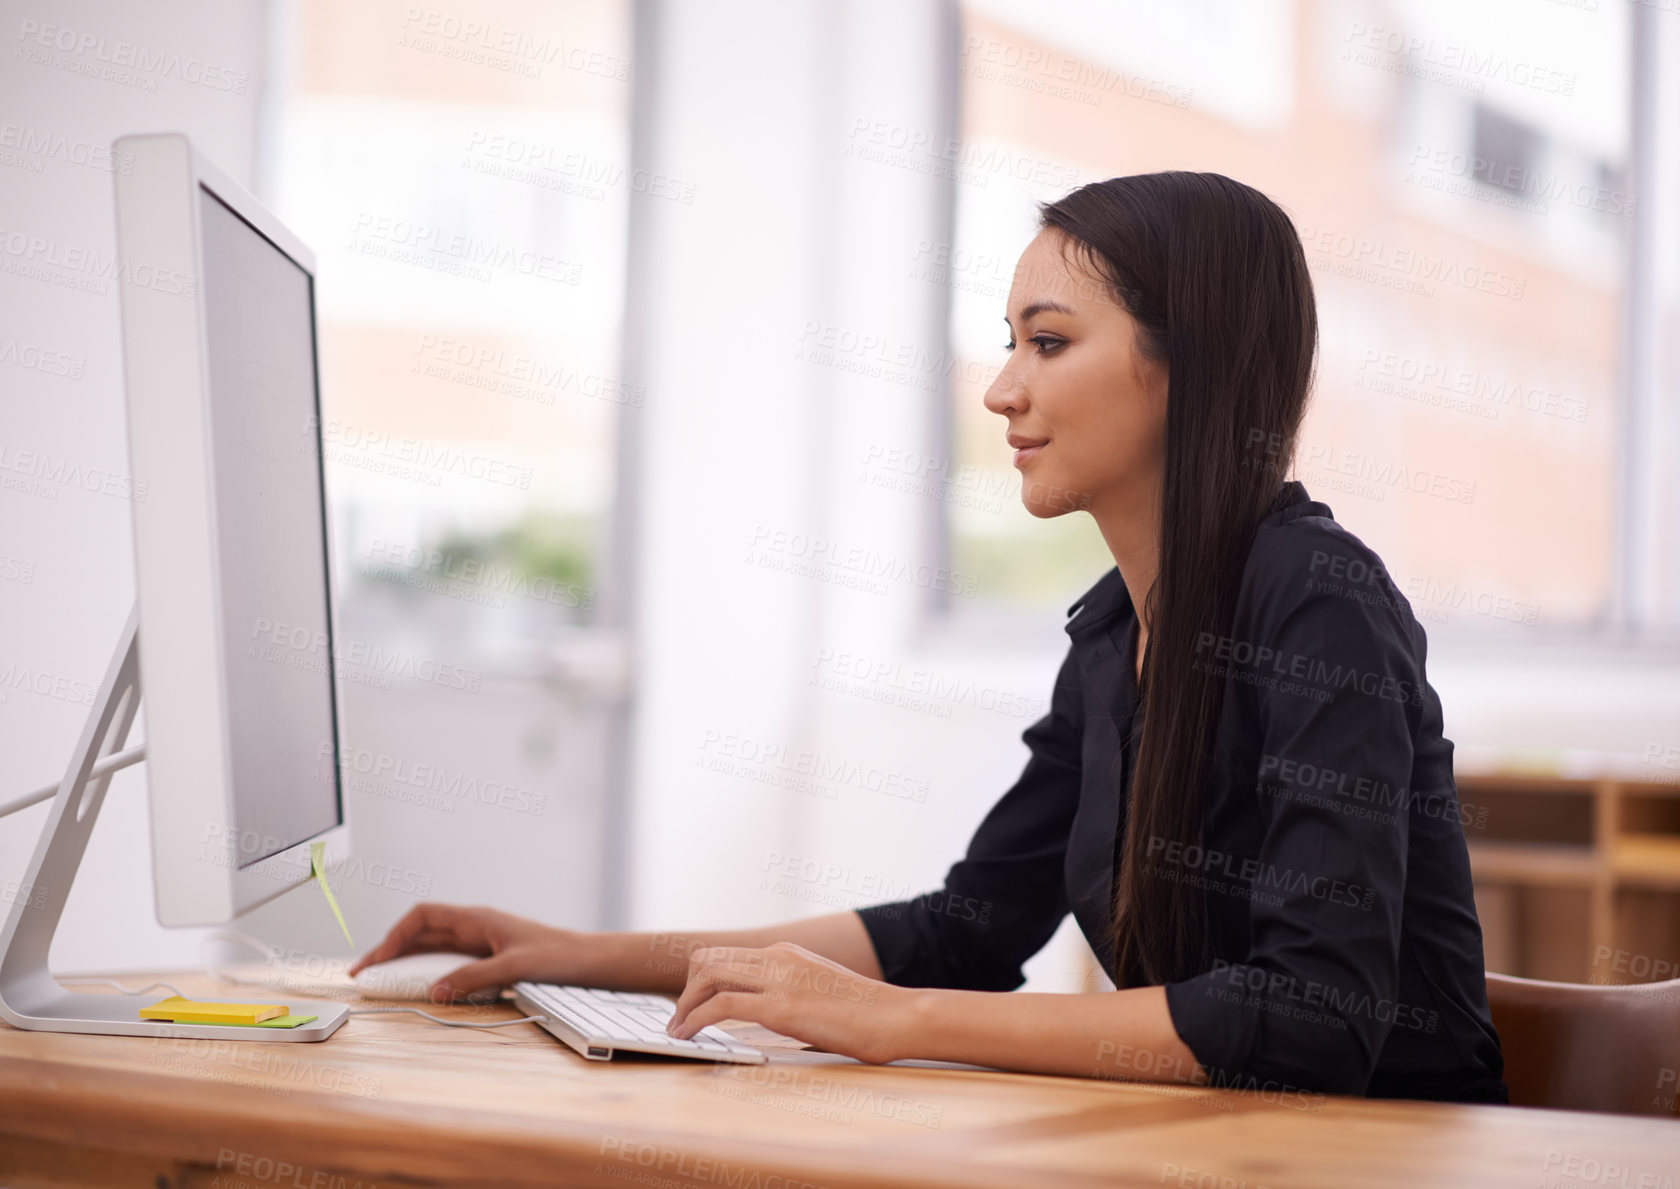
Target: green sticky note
315 849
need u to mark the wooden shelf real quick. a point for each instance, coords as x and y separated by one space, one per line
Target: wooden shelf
1535 862
1520 783
1649 860
1575 875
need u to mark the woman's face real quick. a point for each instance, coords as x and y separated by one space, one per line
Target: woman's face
1087 410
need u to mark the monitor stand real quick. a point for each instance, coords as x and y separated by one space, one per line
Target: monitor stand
29 995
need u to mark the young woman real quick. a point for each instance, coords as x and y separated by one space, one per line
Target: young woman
1241 789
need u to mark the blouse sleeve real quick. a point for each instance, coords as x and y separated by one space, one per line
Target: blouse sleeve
1001 902
1338 686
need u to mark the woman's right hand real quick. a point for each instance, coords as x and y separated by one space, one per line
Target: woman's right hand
510 948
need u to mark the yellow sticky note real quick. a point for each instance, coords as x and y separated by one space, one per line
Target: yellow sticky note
192 1011
315 849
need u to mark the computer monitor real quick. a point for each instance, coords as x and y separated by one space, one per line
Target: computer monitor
231 543
229 649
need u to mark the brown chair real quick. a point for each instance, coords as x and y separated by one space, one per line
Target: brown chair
1587 1047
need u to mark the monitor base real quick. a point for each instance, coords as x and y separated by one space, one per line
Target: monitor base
119 1015
30 998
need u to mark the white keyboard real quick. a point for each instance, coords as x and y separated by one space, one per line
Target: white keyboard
596 1023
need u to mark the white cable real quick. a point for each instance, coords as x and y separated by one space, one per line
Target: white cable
263 947
363 1011
110 763
111 982
267 951
355 1011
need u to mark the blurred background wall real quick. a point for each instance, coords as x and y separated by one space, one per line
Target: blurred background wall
653 340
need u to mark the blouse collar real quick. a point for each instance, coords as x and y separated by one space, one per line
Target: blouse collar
1109 597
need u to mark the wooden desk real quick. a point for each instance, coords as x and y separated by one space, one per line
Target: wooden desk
398 1101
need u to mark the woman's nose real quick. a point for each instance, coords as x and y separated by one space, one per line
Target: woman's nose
1006 392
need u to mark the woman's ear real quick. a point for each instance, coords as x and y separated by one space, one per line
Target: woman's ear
1150 374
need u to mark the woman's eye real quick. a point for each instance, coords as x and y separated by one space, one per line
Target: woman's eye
1045 342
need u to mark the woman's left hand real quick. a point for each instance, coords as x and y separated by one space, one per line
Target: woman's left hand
791 990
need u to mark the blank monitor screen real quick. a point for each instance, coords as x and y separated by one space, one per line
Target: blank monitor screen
271 533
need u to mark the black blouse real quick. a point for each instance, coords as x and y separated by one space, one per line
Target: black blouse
1333 856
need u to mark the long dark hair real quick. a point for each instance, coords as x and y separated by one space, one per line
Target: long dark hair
1213 273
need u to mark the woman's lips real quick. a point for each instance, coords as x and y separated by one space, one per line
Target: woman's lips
1022 455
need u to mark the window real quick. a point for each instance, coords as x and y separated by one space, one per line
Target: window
464 178
1459 177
